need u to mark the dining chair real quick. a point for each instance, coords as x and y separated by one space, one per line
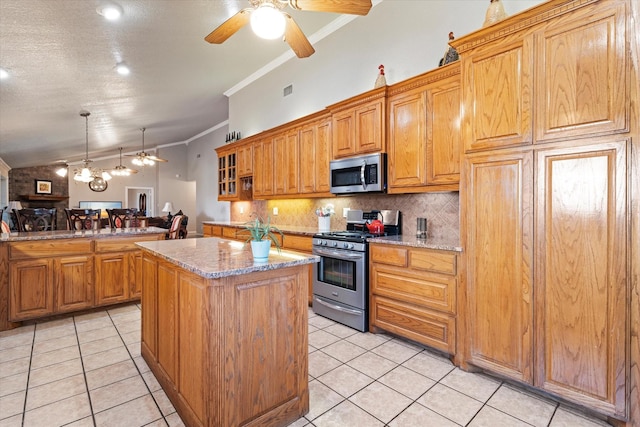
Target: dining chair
123 218
83 219
37 219
174 230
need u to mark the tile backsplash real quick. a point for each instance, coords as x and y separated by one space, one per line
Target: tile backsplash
442 211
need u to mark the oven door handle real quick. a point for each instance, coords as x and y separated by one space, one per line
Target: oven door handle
337 254
338 308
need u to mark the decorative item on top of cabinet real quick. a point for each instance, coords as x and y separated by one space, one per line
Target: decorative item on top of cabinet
359 124
413 294
495 13
450 55
424 132
381 80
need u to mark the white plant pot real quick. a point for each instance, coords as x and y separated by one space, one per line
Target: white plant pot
260 250
324 223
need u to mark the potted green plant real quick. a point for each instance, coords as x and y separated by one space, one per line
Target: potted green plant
261 233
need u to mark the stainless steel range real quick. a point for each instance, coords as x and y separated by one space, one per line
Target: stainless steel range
341 281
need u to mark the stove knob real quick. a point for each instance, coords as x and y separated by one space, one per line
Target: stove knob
335 244
345 245
351 246
324 243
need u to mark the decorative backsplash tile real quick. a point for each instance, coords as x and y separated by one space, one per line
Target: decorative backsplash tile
442 211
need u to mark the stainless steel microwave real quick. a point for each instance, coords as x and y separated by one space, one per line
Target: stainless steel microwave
361 174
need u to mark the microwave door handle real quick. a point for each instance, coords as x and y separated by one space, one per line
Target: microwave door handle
362 170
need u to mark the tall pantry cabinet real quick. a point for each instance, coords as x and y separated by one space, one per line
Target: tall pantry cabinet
550 121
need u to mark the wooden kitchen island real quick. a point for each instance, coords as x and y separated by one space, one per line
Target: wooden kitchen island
227 338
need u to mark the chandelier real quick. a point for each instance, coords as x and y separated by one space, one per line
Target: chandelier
86 173
121 170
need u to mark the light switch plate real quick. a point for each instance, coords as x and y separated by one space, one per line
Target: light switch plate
275 211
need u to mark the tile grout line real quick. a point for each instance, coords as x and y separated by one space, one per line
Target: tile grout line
26 391
163 417
84 373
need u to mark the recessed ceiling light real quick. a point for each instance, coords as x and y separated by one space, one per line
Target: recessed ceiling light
110 11
4 74
122 69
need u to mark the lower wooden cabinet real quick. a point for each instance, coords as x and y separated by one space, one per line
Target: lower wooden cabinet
47 277
73 279
413 294
31 289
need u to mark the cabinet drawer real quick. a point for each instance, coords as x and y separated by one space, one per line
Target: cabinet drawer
49 248
387 254
230 232
215 230
440 262
122 244
297 243
415 323
429 290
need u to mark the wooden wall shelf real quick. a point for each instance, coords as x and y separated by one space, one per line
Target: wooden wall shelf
43 197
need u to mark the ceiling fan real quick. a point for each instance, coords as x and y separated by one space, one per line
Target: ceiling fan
143 158
269 20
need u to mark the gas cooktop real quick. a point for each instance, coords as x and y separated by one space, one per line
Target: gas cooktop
347 236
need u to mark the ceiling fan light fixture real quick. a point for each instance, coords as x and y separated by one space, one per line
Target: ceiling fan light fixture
110 11
268 22
62 171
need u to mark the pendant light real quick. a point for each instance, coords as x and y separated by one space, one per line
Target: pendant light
86 173
121 170
144 159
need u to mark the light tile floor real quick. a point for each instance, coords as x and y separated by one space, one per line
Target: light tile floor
86 370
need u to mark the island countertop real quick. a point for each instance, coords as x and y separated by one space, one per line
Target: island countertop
214 258
79 234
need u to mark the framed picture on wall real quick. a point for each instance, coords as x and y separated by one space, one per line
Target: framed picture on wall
43 187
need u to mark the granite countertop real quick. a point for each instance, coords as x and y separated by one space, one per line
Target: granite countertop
288 229
72 234
442 243
214 258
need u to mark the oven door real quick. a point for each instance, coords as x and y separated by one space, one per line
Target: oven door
341 276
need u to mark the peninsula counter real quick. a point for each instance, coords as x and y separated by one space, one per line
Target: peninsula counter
49 273
226 337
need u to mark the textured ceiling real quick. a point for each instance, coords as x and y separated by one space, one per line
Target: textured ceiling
61 56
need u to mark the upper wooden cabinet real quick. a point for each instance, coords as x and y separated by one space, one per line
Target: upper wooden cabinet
359 124
574 67
497 84
315 155
227 173
245 159
424 132
582 82
263 160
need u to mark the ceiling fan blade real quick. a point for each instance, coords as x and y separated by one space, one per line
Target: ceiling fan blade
156 159
352 7
229 27
296 38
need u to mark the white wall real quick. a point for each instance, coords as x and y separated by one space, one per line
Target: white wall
203 168
408 36
4 185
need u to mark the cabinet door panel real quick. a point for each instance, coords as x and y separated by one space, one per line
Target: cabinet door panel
323 157
31 289
291 162
74 283
149 304
344 134
369 127
135 274
112 278
444 139
497 88
582 82
499 224
582 294
167 342
307 159
407 148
